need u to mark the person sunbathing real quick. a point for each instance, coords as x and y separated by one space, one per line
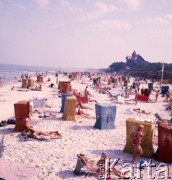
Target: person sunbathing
79 104
95 167
161 120
128 101
138 136
141 111
40 135
46 115
24 90
82 113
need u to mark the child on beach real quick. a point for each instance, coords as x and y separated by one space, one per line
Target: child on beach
138 136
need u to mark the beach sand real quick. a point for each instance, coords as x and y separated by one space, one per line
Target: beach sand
57 158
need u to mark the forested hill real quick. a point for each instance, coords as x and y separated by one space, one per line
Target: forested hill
136 66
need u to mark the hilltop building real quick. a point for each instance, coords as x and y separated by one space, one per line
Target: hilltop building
135 59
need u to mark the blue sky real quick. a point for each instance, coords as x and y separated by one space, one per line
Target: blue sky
84 33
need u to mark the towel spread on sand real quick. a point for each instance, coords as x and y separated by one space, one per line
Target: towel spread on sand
38 102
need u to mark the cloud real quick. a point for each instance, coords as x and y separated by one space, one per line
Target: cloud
115 25
165 20
162 27
43 3
131 4
101 9
68 6
105 7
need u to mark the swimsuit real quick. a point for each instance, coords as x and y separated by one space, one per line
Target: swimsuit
135 141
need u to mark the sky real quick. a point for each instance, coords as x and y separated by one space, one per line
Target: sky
84 33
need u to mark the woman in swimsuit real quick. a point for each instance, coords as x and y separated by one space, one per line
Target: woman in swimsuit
137 143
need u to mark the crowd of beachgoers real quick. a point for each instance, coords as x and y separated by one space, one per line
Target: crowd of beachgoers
51 147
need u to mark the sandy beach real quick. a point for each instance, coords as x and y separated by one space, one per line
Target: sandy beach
56 159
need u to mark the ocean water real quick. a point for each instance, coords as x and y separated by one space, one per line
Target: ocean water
12 73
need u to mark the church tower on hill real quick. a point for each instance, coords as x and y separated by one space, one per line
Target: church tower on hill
135 59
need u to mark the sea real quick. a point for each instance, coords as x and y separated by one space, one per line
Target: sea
10 73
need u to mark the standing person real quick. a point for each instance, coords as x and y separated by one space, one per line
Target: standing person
137 140
167 95
156 95
136 94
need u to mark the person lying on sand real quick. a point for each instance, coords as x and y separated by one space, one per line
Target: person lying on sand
80 112
40 135
129 101
47 106
161 120
24 90
138 110
94 167
46 115
79 104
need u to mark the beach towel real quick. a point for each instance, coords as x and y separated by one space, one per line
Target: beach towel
38 103
40 135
